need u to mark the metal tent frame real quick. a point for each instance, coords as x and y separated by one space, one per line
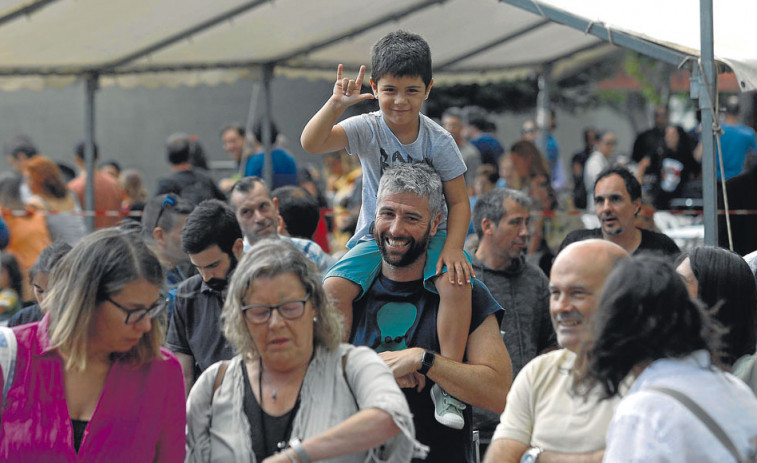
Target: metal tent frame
703 84
477 61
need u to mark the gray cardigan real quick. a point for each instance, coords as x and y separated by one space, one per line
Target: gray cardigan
220 432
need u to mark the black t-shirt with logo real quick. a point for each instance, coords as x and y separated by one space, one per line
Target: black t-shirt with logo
396 315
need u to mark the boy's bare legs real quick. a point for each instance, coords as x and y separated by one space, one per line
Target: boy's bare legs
452 325
341 292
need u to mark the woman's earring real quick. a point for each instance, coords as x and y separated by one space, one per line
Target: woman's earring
315 319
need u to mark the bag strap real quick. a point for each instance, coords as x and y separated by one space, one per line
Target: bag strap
219 378
344 373
705 418
8 353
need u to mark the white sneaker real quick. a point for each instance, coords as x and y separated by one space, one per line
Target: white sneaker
447 409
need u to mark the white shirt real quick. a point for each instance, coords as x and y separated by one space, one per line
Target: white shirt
650 426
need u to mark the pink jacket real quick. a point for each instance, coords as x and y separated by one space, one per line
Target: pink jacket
140 416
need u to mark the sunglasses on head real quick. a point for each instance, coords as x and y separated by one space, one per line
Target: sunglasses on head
169 200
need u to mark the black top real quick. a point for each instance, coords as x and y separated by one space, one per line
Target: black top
277 428
194 329
651 241
192 185
79 427
396 315
742 194
26 315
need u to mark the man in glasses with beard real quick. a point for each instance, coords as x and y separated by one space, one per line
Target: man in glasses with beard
213 240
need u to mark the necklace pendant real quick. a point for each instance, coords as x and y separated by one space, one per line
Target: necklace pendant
273 396
281 445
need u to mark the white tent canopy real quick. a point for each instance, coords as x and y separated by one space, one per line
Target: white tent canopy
164 42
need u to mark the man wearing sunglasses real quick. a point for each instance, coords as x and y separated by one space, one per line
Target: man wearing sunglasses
163 220
213 241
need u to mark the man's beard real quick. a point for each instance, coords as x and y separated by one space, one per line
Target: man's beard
415 249
219 284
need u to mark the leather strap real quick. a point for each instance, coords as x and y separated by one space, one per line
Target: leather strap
219 378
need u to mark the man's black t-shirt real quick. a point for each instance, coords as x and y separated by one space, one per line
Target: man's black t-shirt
651 241
396 315
195 328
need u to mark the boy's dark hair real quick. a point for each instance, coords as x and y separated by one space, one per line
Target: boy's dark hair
299 209
212 222
48 258
79 150
401 54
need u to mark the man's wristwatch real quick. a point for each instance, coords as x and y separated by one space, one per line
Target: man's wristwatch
427 361
531 455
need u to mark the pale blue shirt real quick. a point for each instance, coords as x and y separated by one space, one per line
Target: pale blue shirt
315 253
650 426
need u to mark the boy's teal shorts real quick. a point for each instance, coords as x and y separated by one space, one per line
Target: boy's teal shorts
362 264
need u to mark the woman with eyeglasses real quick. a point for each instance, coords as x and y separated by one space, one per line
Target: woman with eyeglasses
91 382
293 393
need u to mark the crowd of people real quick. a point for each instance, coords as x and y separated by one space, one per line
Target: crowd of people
430 286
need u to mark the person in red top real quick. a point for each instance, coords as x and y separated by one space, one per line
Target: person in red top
108 193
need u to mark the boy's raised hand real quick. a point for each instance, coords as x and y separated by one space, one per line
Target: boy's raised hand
459 269
346 91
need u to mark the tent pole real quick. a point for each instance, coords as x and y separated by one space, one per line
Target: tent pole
91 85
708 98
542 109
266 122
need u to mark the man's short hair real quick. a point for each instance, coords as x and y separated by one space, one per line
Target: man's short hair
401 54
246 185
419 179
236 126
483 124
731 106
257 131
490 205
20 144
299 210
455 112
152 217
178 148
211 222
80 149
633 187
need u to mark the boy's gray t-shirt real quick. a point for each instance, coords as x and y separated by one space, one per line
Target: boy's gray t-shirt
377 147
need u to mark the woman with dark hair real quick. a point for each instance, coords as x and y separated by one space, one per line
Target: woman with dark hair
91 382
723 281
650 331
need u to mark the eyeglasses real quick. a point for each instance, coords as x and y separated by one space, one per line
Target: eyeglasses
169 200
134 316
288 310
